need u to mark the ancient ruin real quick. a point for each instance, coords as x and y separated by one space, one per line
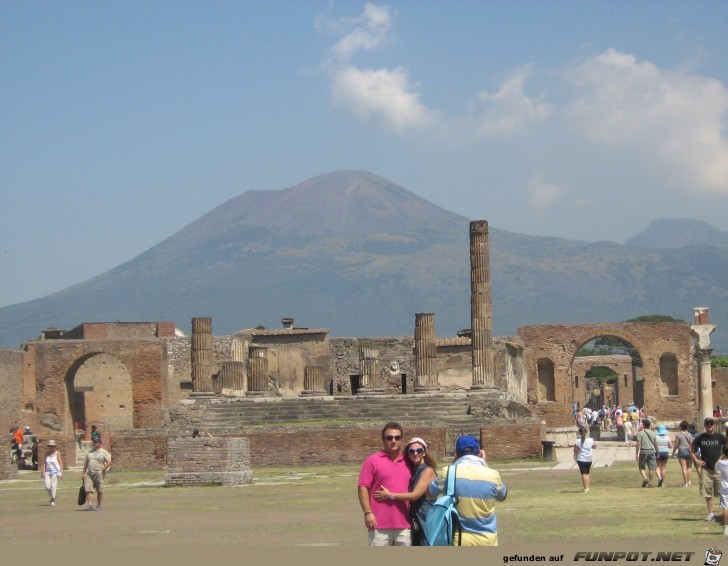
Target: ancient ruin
147 386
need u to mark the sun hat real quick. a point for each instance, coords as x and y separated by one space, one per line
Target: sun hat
416 440
51 443
662 430
467 445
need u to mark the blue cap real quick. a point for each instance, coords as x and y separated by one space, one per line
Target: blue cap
662 430
467 445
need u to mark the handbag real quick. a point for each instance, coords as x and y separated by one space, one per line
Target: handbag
81 495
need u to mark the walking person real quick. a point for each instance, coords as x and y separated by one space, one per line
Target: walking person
583 454
52 471
424 470
721 467
387 521
646 454
664 445
628 433
477 488
710 444
681 446
98 461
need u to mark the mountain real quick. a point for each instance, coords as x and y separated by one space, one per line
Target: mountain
354 253
667 234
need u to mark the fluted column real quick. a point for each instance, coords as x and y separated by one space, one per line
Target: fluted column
313 381
481 315
425 353
202 357
257 371
371 380
232 376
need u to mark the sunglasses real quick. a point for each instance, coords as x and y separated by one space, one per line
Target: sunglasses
416 451
390 437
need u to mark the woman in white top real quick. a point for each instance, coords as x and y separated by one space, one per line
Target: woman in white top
583 455
52 470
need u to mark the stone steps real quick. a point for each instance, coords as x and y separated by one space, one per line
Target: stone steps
246 412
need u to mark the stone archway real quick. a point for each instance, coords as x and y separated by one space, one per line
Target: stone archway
99 390
666 350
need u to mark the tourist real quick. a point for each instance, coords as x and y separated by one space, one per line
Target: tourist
710 444
721 467
424 470
583 454
387 521
717 413
98 461
646 453
52 471
95 434
619 421
628 433
681 445
664 445
476 495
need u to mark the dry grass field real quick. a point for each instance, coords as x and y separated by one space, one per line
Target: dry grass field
317 506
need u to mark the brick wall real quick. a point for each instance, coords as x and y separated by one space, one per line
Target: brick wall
10 389
137 450
195 461
512 440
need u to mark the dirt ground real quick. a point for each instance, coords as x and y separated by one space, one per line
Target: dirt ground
318 507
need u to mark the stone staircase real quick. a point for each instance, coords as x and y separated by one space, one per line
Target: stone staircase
237 414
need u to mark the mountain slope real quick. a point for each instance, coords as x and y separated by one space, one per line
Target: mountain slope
357 254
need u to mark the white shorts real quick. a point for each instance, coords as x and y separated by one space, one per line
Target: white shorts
390 537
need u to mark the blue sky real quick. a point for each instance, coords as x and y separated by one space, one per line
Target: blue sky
122 122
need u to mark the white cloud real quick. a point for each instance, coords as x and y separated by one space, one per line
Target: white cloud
674 120
368 30
383 97
544 195
509 109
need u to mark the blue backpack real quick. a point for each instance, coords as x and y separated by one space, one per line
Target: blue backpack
442 519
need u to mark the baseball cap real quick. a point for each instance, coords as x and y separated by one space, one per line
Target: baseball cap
467 445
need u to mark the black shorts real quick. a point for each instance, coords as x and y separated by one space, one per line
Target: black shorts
584 467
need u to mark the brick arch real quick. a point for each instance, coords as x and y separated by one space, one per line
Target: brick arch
559 343
53 364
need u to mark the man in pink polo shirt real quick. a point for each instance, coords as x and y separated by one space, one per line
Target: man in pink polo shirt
388 521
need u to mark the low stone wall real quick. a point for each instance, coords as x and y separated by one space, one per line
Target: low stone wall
508 440
8 470
138 449
195 461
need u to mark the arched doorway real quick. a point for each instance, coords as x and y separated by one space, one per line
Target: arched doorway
99 390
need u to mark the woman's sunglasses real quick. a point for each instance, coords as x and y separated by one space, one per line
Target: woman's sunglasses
416 451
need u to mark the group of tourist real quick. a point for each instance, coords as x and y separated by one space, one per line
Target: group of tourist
707 451
397 489
96 464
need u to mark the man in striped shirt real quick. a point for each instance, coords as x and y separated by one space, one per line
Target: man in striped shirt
477 488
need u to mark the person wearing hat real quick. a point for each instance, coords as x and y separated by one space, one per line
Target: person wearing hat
424 470
710 444
477 488
97 462
664 445
52 471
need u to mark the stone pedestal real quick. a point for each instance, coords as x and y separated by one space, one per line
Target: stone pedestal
232 377
257 371
371 380
204 460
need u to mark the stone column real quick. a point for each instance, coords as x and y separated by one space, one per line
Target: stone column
257 371
371 380
702 330
313 381
202 358
481 315
425 353
232 376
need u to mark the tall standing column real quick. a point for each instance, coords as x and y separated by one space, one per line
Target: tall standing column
425 353
202 355
481 314
258 371
371 380
702 329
